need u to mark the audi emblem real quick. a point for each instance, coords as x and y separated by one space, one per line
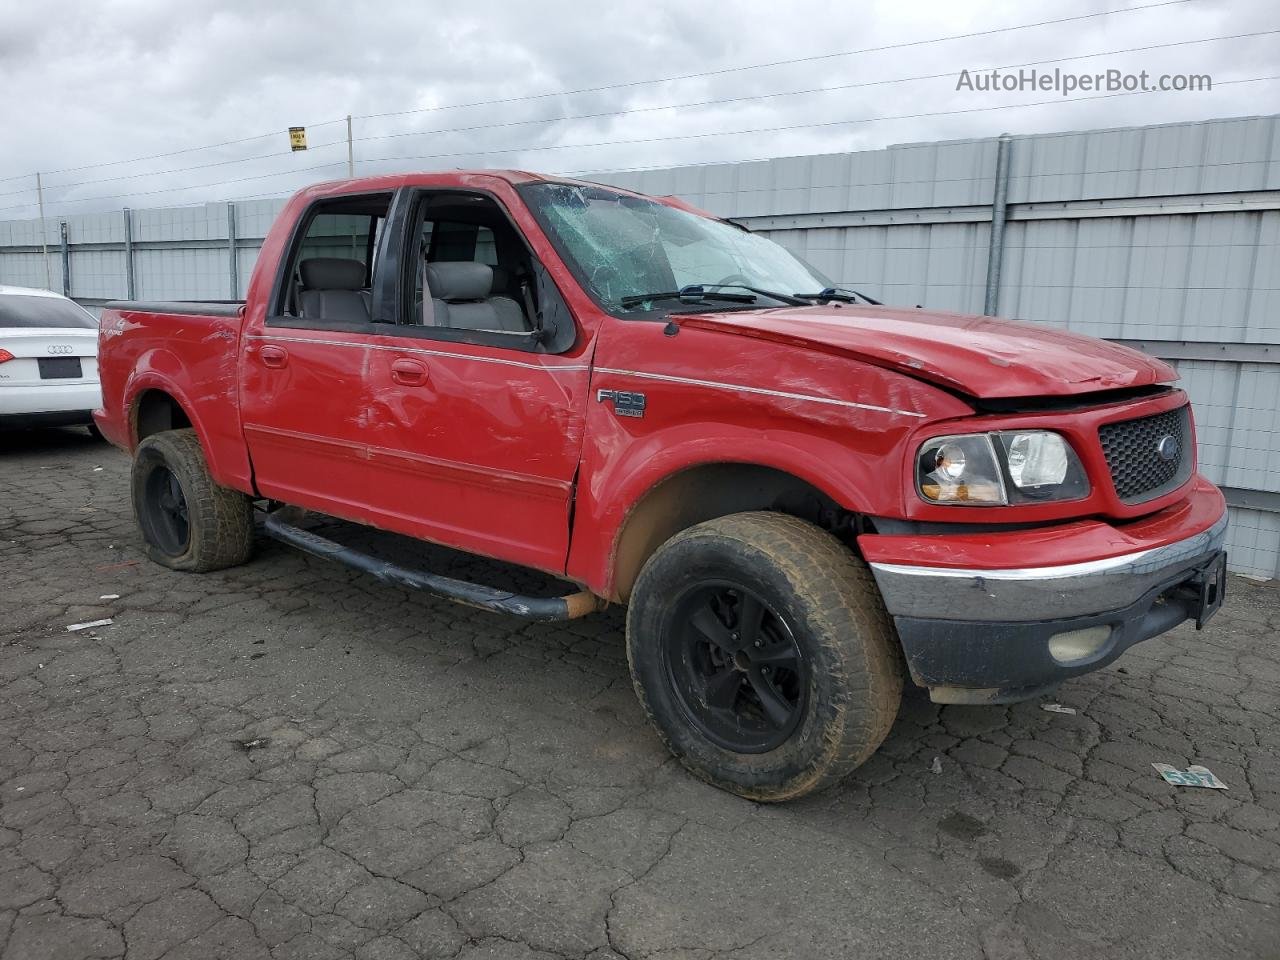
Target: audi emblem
60 348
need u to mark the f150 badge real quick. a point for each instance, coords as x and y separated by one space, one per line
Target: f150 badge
625 404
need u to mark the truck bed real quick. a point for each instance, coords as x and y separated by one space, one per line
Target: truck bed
209 308
185 351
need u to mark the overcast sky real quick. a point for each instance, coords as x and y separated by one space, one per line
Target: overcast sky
89 83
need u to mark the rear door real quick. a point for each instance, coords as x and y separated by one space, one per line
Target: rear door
303 401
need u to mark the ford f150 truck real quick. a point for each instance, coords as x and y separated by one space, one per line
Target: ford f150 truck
801 495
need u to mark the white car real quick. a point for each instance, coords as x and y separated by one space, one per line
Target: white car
48 360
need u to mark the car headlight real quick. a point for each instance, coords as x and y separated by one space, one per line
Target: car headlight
961 469
996 469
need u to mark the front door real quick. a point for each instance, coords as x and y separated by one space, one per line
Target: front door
477 421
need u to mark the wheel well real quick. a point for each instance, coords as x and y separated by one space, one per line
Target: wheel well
155 411
717 490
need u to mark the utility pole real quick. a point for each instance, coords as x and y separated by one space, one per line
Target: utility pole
44 236
351 157
999 215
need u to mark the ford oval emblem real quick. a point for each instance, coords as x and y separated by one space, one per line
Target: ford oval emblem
1168 448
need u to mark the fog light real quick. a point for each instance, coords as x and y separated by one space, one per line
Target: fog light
1071 645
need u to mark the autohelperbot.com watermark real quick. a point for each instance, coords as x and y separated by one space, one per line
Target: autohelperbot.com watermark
1067 83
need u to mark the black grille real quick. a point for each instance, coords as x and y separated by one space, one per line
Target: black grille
1131 447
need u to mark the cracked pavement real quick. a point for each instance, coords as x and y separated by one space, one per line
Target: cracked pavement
435 781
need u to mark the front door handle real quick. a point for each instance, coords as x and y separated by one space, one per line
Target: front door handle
274 357
410 373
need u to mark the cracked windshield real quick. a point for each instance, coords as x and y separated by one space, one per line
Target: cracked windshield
633 253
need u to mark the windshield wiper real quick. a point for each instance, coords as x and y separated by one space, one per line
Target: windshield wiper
843 294
787 298
693 293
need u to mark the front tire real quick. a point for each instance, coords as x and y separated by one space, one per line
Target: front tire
187 521
761 650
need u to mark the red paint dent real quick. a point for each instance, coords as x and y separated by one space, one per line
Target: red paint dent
824 419
980 356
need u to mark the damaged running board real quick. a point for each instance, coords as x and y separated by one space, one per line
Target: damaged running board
278 527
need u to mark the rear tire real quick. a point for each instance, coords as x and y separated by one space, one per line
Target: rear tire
761 651
187 521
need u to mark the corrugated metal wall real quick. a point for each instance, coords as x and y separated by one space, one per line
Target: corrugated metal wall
1166 238
179 253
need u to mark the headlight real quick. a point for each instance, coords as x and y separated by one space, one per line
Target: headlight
960 470
994 469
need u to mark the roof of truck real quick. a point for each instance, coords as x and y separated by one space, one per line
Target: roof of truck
511 176
469 178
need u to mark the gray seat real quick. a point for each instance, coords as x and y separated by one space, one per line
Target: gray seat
460 298
333 290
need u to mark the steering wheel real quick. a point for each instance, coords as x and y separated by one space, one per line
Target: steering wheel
733 278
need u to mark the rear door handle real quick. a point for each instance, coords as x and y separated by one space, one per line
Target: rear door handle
275 357
410 373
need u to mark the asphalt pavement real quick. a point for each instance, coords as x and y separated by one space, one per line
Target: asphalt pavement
291 760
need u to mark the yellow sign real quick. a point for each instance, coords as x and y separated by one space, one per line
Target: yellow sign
297 138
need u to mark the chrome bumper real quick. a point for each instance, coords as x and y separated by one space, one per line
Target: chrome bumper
1041 593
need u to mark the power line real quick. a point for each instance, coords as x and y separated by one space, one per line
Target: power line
160 173
171 153
659 107
635 83
782 128
794 93
197 186
640 140
198 166
1039 138
778 63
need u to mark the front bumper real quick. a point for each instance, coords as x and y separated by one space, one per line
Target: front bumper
978 634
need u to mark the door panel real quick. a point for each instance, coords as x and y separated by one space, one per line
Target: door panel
481 452
305 416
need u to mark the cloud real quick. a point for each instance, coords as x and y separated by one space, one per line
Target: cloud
84 84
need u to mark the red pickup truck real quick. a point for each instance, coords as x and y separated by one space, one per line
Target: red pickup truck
800 494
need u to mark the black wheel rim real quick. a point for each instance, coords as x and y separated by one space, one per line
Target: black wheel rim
737 672
170 525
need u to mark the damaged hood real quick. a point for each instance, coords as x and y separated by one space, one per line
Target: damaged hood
983 357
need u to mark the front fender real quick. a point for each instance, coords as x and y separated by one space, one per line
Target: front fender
617 476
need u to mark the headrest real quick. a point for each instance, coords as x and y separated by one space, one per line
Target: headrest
459 280
331 273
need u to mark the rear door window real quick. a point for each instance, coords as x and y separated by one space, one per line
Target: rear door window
342 235
330 270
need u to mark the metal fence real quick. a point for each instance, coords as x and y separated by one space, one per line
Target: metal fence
1166 238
